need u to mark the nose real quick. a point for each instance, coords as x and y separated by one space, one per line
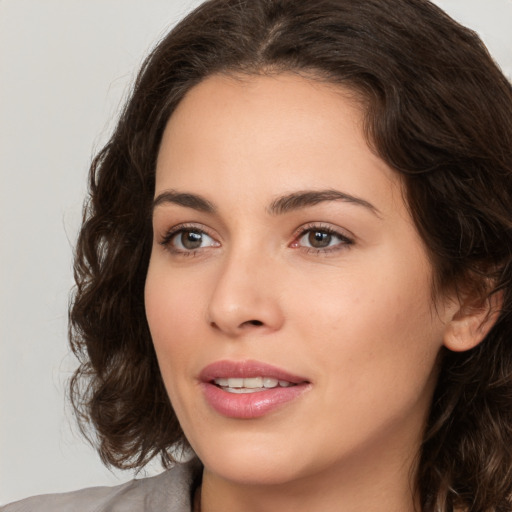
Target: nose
246 298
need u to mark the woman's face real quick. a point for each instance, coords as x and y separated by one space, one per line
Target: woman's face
288 294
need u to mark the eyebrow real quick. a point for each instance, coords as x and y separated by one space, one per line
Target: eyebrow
303 199
193 201
280 206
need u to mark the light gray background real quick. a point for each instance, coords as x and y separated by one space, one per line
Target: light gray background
65 66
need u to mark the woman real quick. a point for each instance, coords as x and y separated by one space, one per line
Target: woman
296 260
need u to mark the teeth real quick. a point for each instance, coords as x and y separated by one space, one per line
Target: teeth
269 382
254 382
251 384
242 390
236 383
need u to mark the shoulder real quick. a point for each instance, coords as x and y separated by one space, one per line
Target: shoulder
168 492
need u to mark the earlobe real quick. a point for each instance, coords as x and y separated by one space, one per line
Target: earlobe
472 322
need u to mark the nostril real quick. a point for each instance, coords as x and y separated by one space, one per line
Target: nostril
248 323
254 322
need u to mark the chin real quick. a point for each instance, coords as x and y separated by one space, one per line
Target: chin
250 461
267 471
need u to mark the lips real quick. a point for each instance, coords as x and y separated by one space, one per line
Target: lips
249 389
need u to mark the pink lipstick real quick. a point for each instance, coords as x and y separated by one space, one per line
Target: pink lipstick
249 389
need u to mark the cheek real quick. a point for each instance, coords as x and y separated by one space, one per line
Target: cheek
173 310
374 325
364 301
172 301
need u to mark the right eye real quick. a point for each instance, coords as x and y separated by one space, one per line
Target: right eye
188 240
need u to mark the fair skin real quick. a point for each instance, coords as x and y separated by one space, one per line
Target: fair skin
335 288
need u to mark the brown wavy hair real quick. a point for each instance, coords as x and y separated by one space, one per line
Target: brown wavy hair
437 109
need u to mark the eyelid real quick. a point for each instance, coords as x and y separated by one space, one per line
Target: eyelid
324 226
346 237
166 238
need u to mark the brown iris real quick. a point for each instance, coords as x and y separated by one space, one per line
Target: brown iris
319 239
191 239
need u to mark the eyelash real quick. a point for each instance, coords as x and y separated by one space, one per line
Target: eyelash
175 231
344 240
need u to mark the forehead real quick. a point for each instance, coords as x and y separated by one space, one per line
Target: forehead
252 106
280 131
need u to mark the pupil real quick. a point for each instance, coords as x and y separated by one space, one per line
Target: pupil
319 239
191 239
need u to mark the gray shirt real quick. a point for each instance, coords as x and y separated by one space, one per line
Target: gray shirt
170 491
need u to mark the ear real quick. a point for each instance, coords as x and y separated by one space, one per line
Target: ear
472 322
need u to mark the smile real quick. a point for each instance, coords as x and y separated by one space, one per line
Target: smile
249 389
251 384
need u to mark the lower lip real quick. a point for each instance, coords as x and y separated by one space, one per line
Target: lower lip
250 405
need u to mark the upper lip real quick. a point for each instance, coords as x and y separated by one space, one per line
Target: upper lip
246 369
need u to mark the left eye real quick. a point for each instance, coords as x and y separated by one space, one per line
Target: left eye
321 239
191 239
